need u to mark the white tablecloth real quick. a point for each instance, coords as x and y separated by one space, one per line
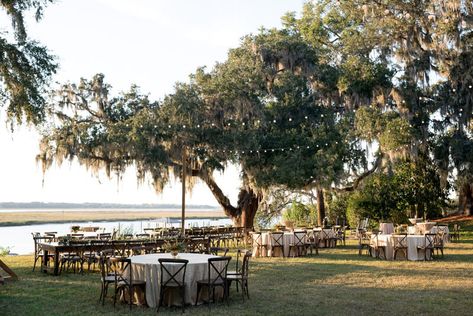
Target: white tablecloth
267 242
146 268
325 233
389 241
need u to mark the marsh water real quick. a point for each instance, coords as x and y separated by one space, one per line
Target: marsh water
19 238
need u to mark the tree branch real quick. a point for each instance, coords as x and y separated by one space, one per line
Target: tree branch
360 178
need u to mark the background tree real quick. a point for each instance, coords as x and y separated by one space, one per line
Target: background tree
25 65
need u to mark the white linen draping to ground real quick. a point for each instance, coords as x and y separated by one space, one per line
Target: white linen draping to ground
389 241
324 234
267 242
146 268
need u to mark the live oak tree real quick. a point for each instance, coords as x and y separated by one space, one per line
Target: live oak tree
245 111
292 107
25 65
423 42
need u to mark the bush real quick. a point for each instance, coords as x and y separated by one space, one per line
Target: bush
337 207
299 214
4 251
392 197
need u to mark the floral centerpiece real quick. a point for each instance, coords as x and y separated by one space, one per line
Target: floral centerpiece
174 247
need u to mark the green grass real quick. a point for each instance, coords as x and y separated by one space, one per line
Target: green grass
337 282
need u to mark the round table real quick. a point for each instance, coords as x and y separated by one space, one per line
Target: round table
267 242
146 268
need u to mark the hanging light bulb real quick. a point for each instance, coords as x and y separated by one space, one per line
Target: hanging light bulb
274 121
169 126
306 117
183 126
198 125
290 119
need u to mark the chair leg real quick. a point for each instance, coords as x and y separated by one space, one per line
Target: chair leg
35 260
161 297
183 293
246 289
197 296
131 295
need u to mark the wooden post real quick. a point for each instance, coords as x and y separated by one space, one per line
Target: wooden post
11 274
183 202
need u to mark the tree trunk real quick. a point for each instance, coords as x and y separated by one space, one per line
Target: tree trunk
243 214
248 202
465 199
320 206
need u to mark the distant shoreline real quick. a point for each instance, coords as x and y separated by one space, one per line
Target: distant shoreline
95 206
54 217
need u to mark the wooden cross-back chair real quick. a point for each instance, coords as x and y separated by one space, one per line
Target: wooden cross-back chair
400 244
38 249
277 242
428 246
173 274
216 277
241 278
298 245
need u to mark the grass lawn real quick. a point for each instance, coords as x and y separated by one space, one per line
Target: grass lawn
337 282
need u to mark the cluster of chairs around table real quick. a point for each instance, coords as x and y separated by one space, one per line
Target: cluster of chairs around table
430 245
296 242
117 271
113 258
80 249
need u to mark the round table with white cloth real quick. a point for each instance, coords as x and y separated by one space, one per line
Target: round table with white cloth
267 242
146 268
412 241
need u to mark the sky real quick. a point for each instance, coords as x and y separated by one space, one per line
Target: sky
151 43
